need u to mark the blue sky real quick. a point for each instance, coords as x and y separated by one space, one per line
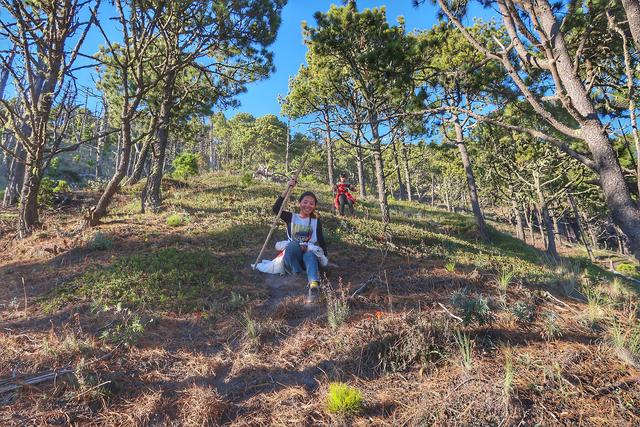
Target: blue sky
289 50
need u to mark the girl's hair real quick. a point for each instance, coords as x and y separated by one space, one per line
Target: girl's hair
343 175
308 193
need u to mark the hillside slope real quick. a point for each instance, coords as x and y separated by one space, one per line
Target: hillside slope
167 323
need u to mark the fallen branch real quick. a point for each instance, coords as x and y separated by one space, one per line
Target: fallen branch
15 383
364 286
450 313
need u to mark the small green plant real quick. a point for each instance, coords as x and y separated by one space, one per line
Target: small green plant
595 305
251 327
550 328
185 165
465 347
49 188
472 308
450 267
126 329
337 306
509 374
504 279
628 269
523 312
247 179
236 301
100 242
175 220
343 399
626 343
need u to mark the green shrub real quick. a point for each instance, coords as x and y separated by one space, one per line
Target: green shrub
49 188
100 242
550 328
523 312
628 269
337 307
247 179
472 308
343 399
450 267
175 220
185 165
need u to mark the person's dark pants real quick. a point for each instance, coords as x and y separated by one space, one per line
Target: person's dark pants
343 200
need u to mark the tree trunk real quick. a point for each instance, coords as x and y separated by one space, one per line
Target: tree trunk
140 162
632 10
286 152
519 227
545 220
102 140
433 189
361 177
28 219
379 167
403 193
4 76
574 208
329 148
529 219
124 144
405 158
471 182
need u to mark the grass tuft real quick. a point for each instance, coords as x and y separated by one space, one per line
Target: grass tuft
343 399
176 220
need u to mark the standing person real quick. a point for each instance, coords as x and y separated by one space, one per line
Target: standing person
343 196
304 231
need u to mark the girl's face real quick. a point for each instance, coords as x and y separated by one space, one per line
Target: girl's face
342 179
307 205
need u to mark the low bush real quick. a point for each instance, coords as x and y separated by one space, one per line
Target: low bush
343 399
176 220
185 165
100 242
472 308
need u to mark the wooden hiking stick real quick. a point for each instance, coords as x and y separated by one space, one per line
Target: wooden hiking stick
274 224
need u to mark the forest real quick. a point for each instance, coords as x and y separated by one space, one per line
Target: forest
488 273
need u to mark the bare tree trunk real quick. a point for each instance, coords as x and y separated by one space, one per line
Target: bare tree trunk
529 219
379 167
632 10
471 182
140 162
545 221
102 140
361 177
574 208
433 189
329 148
403 192
286 153
407 173
15 174
519 227
124 145
29 219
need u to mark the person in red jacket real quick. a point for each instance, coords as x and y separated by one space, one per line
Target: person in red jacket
343 196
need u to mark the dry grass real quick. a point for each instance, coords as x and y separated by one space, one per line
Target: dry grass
201 406
205 366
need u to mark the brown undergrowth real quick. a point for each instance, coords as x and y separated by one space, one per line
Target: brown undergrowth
163 324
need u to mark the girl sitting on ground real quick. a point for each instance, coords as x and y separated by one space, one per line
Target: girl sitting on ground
303 229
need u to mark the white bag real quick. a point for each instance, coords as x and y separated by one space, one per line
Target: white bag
274 266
